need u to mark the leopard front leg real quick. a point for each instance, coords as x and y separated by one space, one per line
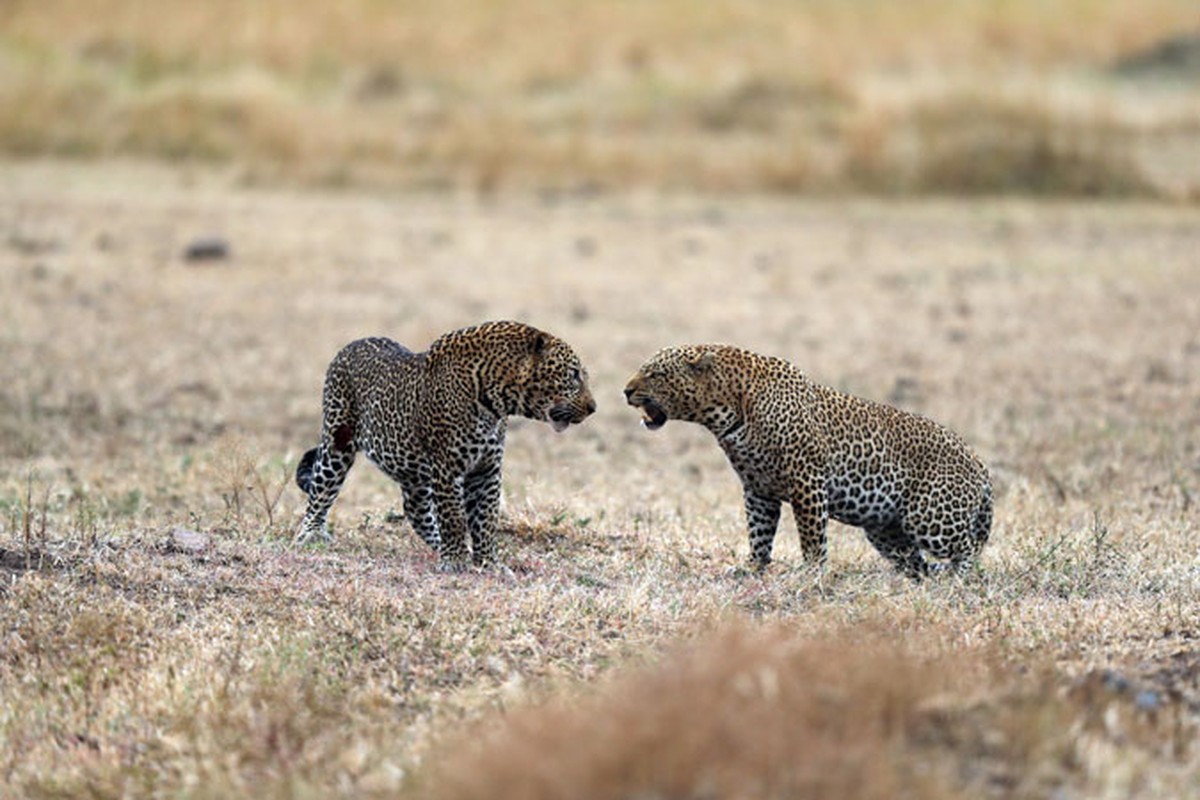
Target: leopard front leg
762 517
481 492
421 513
810 507
452 521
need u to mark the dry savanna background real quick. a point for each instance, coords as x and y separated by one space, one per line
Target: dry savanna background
985 212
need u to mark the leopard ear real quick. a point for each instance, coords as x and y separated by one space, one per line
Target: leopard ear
537 344
701 362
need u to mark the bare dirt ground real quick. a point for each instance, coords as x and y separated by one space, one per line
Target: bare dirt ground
159 636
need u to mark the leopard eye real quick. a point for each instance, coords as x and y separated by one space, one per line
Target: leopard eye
576 375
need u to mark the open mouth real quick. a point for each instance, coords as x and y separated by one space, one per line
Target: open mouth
653 417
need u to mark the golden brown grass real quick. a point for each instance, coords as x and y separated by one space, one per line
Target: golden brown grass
817 96
742 715
857 712
159 636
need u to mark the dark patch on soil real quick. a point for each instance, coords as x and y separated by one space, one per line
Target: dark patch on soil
17 561
1177 57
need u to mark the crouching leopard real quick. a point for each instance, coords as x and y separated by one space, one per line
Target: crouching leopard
914 486
435 423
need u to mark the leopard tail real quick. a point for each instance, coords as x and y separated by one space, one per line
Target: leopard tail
304 470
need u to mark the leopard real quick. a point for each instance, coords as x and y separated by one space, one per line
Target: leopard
919 492
435 422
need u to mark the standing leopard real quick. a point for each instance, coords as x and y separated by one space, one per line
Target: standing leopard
914 486
435 423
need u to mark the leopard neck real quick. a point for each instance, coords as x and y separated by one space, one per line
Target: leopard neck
481 361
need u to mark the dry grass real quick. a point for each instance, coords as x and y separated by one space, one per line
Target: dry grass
855 713
158 635
973 145
738 96
743 715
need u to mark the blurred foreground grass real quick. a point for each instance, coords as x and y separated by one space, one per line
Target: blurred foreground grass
933 96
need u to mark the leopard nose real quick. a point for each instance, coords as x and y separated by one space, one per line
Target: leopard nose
590 407
628 392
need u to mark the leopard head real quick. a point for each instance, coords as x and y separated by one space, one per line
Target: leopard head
555 388
689 383
516 369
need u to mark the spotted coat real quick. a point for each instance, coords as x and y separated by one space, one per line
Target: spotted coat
912 485
435 423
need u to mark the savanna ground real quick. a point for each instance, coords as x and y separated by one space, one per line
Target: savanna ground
160 636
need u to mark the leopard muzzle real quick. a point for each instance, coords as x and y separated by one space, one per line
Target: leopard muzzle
563 415
653 415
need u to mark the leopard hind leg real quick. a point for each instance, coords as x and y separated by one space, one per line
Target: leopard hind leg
900 548
981 527
977 527
320 475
